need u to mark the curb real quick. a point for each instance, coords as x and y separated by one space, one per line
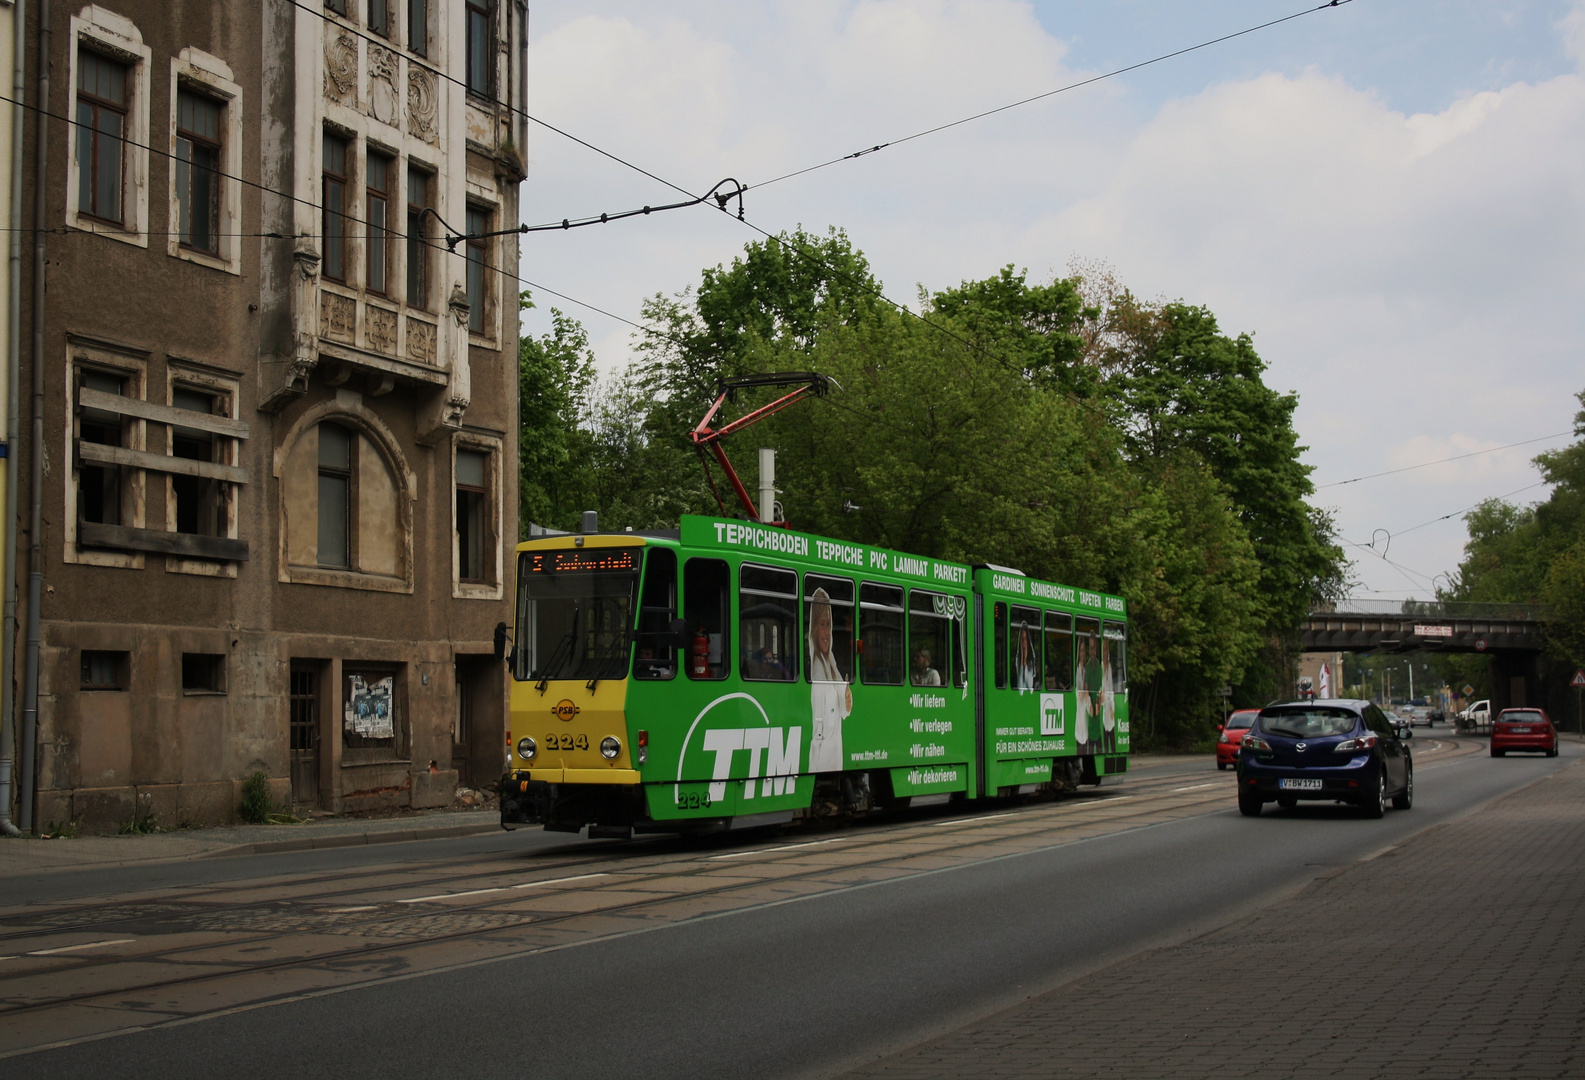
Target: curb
309 843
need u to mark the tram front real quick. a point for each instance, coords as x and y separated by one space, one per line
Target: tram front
571 761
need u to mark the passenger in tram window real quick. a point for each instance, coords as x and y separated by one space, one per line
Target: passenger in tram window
831 698
1026 674
923 674
650 668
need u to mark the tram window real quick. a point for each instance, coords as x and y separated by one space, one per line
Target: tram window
828 617
929 637
1087 672
655 654
881 659
1114 656
706 603
999 616
1059 651
1025 648
767 623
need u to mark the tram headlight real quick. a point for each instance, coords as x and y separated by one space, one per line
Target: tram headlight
526 748
610 747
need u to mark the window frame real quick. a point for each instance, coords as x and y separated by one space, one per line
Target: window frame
418 18
722 670
479 83
378 225
419 256
87 354
117 38
342 183
943 654
347 476
872 588
378 17
490 586
180 163
477 250
195 71
122 661
789 652
92 133
1019 624
225 389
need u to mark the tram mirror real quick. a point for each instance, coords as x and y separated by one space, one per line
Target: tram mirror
678 634
500 641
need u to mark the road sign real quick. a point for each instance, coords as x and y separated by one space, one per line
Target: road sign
1480 644
1468 689
1579 678
1226 691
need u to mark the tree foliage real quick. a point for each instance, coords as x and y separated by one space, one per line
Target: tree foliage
1071 431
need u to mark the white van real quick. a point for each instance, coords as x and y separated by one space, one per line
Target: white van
1478 714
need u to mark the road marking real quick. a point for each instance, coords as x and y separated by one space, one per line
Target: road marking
350 910
972 820
450 895
784 847
1193 787
71 948
557 881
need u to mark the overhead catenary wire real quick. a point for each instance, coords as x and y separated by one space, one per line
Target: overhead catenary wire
1443 461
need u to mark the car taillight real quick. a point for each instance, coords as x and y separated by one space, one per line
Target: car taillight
1356 745
1255 742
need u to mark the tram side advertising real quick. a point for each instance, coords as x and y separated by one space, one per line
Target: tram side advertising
730 673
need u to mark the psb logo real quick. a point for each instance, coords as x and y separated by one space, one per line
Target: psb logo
564 710
1053 714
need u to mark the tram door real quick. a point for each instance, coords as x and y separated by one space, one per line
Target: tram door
304 734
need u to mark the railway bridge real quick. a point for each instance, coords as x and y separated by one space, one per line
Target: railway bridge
1510 635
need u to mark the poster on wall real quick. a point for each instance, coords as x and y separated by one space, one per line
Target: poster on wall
368 708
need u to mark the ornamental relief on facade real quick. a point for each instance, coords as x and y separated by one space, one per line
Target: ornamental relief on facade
423 104
420 341
379 326
384 104
337 317
341 68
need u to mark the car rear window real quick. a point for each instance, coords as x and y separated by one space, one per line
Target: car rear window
1518 716
1307 723
1242 719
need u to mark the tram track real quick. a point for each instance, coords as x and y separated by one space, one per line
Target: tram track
610 868
382 916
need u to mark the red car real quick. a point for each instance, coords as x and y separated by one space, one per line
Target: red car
1232 737
1523 729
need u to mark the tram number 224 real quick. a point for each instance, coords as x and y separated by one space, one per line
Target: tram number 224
566 742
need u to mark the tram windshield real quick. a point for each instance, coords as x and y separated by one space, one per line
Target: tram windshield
574 613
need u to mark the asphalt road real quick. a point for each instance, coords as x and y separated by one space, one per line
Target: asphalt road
800 987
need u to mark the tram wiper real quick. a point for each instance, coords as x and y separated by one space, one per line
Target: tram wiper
554 663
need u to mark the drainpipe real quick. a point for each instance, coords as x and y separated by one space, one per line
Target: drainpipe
30 669
13 375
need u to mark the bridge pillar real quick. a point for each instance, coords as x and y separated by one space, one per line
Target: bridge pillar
1515 681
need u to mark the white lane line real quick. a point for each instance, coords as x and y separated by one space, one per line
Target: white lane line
971 821
557 881
71 948
450 895
784 847
1193 787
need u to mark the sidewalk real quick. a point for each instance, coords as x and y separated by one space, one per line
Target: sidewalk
22 855
1460 953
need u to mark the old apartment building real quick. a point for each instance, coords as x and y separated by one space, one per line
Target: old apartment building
279 374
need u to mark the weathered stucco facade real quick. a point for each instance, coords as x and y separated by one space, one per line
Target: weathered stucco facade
279 449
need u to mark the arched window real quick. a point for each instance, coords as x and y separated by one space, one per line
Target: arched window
346 507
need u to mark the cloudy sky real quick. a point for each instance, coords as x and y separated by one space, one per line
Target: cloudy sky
1388 195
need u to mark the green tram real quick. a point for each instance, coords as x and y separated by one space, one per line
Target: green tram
729 674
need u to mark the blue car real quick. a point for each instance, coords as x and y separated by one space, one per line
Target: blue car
1328 750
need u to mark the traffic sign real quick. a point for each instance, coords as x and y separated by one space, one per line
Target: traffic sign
1480 644
1468 689
1579 678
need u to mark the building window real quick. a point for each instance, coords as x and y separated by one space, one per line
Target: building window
203 673
198 171
473 522
481 55
372 727
335 496
478 223
380 17
418 26
199 505
104 669
99 486
338 6
381 168
334 203
419 197
101 129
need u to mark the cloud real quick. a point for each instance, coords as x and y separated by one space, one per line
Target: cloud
1414 276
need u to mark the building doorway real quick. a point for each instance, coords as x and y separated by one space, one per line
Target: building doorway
476 726
304 725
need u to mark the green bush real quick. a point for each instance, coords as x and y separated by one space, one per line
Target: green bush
256 806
